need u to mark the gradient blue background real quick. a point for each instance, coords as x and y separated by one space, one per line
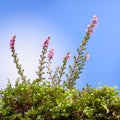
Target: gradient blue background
65 21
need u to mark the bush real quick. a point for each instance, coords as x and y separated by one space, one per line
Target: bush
32 101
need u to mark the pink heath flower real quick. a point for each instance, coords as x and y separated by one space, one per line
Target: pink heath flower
51 54
12 42
91 27
94 20
87 56
46 43
67 57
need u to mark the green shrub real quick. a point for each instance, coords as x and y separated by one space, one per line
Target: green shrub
32 101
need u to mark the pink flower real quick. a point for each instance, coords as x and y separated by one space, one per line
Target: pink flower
87 56
12 42
51 54
95 20
91 27
46 43
67 57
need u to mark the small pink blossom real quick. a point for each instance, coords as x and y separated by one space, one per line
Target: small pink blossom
51 54
12 42
67 57
91 27
87 56
46 43
95 20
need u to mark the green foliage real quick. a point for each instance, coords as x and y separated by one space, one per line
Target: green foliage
31 101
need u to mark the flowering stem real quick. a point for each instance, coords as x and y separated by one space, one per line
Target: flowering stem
79 61
42 60
14 54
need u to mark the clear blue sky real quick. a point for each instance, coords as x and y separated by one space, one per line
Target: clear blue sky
65 21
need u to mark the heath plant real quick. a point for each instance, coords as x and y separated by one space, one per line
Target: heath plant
56 77
52 95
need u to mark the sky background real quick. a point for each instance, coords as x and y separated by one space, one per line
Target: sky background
65 21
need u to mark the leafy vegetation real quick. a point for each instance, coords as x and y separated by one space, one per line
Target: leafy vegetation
31 101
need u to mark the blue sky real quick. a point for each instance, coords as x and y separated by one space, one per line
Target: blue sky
65 21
